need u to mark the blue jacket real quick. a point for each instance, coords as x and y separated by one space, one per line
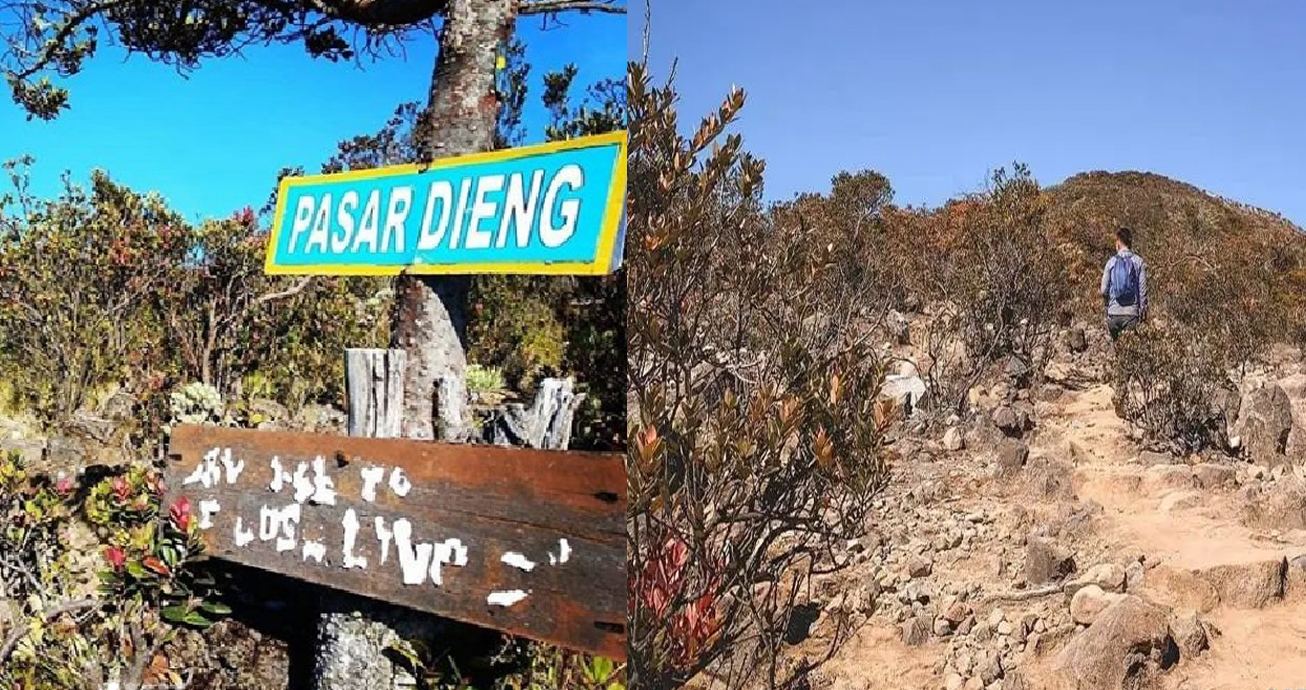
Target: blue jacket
1114 309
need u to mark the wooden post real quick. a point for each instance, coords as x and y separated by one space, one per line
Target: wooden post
353 632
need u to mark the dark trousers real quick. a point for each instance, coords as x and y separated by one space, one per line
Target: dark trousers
1115 325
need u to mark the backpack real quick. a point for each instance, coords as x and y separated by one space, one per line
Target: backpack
1124 281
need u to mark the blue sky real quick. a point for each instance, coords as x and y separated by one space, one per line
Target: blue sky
213 142
935 94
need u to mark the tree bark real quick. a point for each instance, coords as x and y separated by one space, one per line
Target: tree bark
430 319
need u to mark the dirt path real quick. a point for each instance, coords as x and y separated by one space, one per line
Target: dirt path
1184 521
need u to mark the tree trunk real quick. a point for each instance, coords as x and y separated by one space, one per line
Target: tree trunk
430 318
353 632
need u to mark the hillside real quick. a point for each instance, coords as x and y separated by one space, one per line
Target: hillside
1182 231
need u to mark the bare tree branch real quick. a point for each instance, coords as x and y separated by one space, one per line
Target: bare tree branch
552 6
288 292
21 631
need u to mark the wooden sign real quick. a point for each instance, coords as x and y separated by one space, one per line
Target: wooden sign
529 542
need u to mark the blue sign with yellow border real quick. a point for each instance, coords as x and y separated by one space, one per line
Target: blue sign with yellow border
556 208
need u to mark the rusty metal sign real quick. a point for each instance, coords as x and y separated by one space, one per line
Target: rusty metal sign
529 542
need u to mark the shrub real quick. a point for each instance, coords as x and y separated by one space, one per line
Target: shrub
1166 382
67 637
1000 290
755 444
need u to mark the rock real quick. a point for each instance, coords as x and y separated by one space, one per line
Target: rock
996 616
906 391
966 625
952 439
973 683
1014 680
1089 602
915 631
1133 576
1006 628
953 682
1283 507
1189 634
1180 500
956 612
1181 587
942 627
1076 340
1012 455
1108 576
1149 458
320 418
918 566
1264 423
989 668
1010 421
1161 478
1249 585
1045 561
1212 476
230 655
899 328
1127 646
1048 479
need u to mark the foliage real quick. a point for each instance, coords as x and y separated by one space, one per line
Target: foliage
512 664
482 379
56 37
756 441
110 287
998 291
196 403
1166 382
65 636
77 277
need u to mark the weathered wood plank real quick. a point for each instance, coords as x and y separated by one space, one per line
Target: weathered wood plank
526 541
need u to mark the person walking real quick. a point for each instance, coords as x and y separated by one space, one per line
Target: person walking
1124 287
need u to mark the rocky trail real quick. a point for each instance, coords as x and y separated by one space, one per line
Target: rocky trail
1061 555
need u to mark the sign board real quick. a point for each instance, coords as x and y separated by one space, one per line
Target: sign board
549 209
529 542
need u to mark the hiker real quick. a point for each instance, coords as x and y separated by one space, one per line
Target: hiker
1124 287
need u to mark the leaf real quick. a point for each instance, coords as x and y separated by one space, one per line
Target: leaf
216 608
136 570
175 614
197 619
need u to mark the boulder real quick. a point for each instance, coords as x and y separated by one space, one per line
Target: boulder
1011 421
1049 479
1282 507
952 439
1249 585
1128 645
1089 602
1046 561
906 391
1110 577
1264 423
1012 455
1189 634
1149 458
1212 476
915 631
1076 340
1159 479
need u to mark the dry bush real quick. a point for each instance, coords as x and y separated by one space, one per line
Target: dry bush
1167 381
756 439
1000 288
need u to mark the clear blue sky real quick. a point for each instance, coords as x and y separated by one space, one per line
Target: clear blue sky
213 143
935 93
